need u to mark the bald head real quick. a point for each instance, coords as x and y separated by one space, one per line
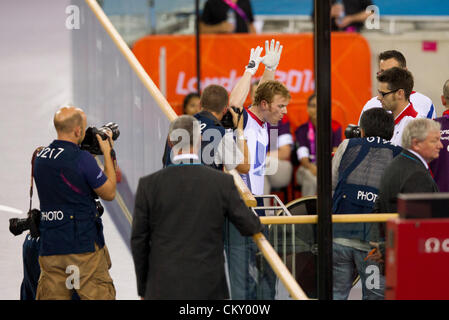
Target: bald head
66 119
70 123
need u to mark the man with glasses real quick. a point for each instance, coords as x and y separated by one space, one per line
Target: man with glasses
394 88
422 104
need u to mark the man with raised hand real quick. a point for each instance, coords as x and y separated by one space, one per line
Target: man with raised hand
223 147
270 105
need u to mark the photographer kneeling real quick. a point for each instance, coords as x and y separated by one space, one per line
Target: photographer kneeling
357 167
72 251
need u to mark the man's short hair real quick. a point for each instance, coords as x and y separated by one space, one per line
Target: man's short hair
184 132
398 78
394 54
268 89
214 98
418 129
377 122
446 90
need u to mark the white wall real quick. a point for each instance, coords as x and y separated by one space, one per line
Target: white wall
35 77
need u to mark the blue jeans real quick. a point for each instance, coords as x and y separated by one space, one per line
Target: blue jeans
250 275
31 268
347 261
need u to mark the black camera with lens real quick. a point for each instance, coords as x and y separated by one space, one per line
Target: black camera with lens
17 226
99 207
227 122
90 142
352 131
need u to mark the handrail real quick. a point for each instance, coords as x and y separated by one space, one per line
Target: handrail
270 254
246 195
336 218
279 267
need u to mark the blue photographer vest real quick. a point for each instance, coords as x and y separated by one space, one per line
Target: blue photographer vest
70 222
360 170
212 132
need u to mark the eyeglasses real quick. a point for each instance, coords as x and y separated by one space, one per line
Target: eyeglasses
383 94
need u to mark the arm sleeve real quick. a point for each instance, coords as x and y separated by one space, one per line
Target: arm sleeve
303 150
243 218
336 160
228 153
336 137
92 172
140 238
285 139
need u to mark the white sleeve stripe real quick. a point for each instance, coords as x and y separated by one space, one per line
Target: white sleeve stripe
285 139
302 152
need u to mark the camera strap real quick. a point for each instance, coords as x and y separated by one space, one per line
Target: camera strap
38 149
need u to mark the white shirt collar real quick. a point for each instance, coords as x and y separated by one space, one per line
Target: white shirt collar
421 158
184 156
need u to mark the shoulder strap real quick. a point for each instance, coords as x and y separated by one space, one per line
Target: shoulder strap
237 9
38 149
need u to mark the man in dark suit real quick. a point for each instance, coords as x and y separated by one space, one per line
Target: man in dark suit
407 173
177 238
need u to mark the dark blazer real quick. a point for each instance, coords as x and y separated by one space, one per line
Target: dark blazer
405 174
177 231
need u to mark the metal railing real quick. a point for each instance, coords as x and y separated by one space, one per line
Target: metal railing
271 256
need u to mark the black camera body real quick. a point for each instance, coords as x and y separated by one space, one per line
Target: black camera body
227 122
352 131
17 226
90 142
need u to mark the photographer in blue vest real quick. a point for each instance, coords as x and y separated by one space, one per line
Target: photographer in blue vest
72 251
357 167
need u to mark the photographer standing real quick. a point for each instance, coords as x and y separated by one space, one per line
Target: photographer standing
357 168
72 252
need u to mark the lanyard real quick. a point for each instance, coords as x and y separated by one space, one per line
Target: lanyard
311 137
35 153
237 9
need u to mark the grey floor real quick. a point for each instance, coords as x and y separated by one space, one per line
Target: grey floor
35 78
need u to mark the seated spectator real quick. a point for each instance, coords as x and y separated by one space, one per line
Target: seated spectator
348 15
191 104
440 166
357 167
306 149
227 16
